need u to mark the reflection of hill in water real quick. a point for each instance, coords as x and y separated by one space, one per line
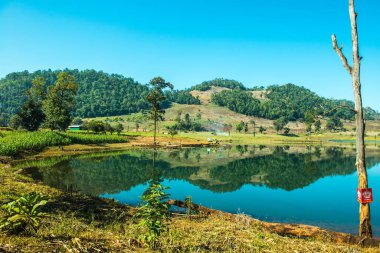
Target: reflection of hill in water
221 171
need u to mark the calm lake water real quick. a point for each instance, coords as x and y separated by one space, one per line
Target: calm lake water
309 185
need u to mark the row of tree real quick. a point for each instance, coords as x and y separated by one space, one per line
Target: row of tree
101 127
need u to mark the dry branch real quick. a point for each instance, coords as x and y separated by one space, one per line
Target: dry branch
338 50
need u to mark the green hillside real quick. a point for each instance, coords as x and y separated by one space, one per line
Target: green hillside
101 95
289 101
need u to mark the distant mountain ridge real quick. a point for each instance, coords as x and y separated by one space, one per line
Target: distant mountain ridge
102 94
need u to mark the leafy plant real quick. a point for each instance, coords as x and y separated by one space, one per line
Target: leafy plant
154 212
23 213
189 207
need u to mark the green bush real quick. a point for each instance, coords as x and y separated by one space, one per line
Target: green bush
23 213
153 213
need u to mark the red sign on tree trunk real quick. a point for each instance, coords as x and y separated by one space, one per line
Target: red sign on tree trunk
365 195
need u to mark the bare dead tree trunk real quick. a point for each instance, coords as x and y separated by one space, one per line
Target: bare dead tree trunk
365 229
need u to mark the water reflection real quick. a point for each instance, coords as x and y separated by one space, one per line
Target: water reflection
219 170
310 185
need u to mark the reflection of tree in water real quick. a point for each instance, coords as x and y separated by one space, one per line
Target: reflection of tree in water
111 174
284 170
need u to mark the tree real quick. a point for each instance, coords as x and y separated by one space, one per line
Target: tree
60 102
240 126
365 228
155 97
286 130
279 124
309 120
97 126
119 128
334 123
254 127
109 128
15 122
246 128
262 129
317 125
31 114
172 131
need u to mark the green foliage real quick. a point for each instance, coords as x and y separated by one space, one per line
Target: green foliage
99 94
286 130
187 124
172 130
334 124
219 82
77 121
119 128
189 206
82 138
245 127
31 114
15 122
60 101
279 124
288 101
238 101
317 125
155 97
182 97
154 212
15 142
262 129
23 213
240 126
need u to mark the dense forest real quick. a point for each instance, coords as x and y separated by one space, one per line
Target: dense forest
288 101
102 94
99 93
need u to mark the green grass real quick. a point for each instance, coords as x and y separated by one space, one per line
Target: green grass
15 142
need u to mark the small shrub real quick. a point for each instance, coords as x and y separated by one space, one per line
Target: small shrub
23 213
153 213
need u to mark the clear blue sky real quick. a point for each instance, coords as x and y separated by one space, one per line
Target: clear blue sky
257 42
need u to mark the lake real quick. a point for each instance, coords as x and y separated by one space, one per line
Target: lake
291 184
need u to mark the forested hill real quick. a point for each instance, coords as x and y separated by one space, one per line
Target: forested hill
99 94
290 102
102 94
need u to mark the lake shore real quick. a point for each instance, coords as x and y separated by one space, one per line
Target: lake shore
202 139
107 226
80 222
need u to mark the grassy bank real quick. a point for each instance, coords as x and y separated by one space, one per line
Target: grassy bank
15 142
79 223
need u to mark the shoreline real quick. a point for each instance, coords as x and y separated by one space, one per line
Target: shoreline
281 229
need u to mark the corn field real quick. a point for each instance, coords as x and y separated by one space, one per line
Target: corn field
14 142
